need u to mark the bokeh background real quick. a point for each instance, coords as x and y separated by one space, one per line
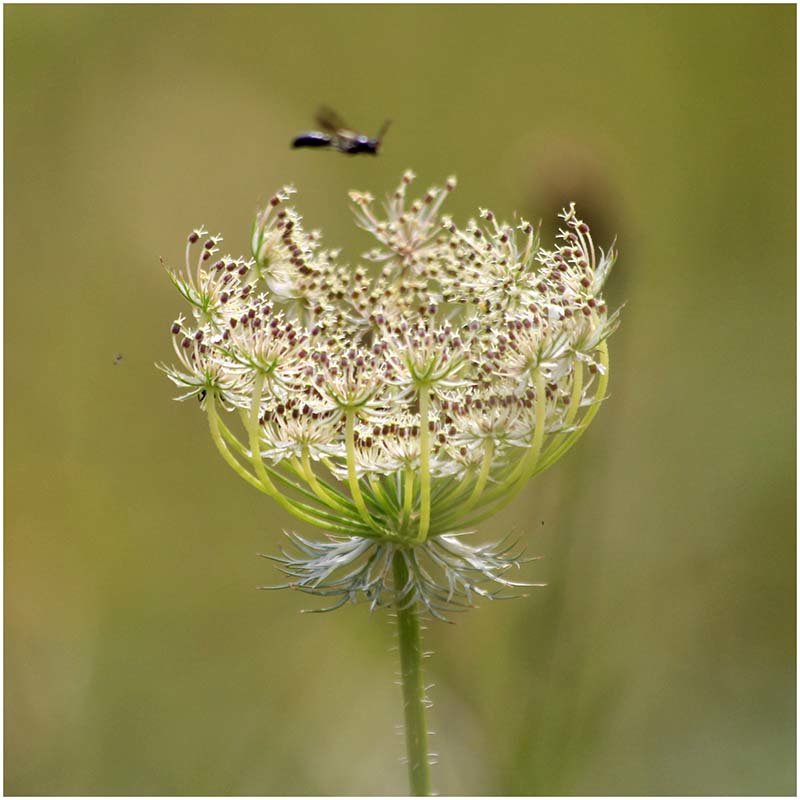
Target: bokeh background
660 659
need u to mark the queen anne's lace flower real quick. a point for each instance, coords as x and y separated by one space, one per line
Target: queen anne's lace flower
395 410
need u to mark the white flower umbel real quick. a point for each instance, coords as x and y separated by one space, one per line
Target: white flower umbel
395 406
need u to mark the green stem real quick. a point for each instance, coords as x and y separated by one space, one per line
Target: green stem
327 497
309 514
355 489
380 496
408 495
480 484
511 488
424 466
413 687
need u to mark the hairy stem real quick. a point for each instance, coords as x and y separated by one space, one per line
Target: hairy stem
408 630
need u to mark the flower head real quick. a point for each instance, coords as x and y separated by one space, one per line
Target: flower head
395 406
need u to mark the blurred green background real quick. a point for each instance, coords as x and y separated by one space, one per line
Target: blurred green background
139 657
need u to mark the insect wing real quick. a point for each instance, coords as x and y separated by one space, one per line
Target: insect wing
330 121
382 131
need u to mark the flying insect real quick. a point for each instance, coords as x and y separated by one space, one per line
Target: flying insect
337 135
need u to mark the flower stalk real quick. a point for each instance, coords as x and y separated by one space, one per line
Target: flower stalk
414 701
396 404
424 467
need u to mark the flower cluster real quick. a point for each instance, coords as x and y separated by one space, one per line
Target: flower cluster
395 405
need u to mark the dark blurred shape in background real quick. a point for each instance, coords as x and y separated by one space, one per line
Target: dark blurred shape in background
568 173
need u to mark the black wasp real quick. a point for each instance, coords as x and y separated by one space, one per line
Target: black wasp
338 136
